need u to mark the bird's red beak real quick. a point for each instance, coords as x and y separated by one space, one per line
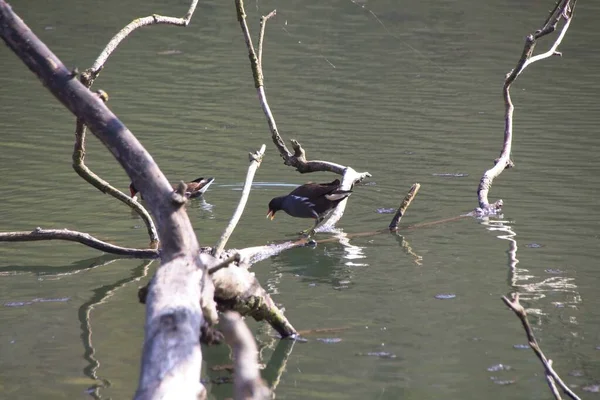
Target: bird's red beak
271 215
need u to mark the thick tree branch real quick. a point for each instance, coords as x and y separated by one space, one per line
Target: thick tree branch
247 381
551 375
81 237
255 160
172 358
298 158
563 11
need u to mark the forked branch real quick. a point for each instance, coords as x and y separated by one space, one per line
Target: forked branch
297 159
562 11
551 376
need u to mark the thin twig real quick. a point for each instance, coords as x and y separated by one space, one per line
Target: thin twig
248 384
39 234
255 160
154 19
261 35
403 206
564 10
298 158
520 312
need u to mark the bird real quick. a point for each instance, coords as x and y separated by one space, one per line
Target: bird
195 188
311 200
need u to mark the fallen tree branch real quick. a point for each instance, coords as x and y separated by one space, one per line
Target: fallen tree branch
39 234
298 158
255 160
562 11
172 359
248 385
551 376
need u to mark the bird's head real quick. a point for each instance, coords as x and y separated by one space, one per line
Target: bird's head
275 205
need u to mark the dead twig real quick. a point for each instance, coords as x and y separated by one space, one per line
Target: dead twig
39 234
255 160
248 384
563 11
551 376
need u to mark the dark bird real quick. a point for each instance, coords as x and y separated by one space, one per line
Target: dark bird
195 188
312 200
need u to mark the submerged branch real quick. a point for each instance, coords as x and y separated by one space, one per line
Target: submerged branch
255 160
39 234
564 10
298 158
551 376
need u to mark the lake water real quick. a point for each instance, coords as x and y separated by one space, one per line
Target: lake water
409 91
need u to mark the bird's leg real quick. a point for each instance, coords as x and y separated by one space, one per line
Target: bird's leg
311 232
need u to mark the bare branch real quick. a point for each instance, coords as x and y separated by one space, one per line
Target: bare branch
563 10
552 376
255 160
39 234
403 206
298 158
133 25
350 177
247 382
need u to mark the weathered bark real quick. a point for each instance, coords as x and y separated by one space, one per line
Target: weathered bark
172 358
237 289
562 11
